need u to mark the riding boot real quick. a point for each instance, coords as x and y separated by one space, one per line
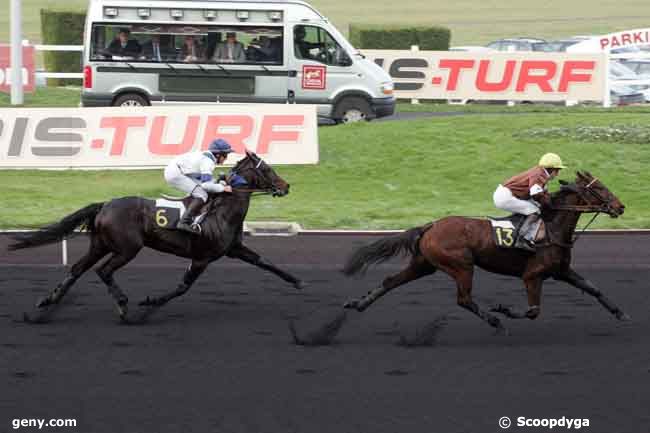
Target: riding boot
526 240
191 212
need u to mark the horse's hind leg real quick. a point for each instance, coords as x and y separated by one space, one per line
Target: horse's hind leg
419 267
96 251
463 279
534 288
105 272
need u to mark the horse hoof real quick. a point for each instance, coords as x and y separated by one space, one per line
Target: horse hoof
623 317
299 285
122 310
43 303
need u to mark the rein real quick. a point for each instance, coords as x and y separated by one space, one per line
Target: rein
577 236
595 209
256 191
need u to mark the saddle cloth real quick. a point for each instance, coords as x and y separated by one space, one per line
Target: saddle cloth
505 231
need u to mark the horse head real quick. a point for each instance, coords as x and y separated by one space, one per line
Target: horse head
592 195
260 175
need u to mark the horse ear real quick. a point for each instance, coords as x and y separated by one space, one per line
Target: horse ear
589 175
249 153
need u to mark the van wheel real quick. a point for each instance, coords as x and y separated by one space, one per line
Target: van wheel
130 100
353 109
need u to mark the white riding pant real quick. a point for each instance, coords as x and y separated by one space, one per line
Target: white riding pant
504 199
174 177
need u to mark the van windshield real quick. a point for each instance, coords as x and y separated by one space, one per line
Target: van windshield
162 43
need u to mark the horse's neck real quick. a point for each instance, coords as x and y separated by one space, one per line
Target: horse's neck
223 224
563 223
233 209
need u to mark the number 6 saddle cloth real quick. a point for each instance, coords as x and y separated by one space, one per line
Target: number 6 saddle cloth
169 212
506 230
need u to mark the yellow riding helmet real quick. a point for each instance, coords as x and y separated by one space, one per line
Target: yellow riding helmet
551 160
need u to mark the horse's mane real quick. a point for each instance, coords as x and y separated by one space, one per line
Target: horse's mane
568 189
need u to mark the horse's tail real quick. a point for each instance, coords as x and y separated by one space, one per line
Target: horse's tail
383 249
57 231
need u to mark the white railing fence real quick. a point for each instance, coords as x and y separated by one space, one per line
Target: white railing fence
42 74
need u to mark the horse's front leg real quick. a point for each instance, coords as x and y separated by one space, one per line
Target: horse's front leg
242 252
193 272
572 277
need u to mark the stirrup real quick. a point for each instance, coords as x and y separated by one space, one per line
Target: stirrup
190 228
526 244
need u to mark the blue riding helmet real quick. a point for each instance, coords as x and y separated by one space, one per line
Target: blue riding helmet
219 146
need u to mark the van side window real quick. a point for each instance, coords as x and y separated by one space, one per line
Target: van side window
315 43
187 44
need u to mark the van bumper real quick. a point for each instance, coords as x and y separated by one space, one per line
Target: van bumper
96 99
383 107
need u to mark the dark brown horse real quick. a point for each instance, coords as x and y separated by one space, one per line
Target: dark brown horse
121 227
455 245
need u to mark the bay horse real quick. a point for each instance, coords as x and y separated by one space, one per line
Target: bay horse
455 245
123 226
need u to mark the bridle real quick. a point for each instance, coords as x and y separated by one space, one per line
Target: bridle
604 205
257 168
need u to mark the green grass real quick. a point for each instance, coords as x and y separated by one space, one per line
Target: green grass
404 106
47 97
381 175
471 22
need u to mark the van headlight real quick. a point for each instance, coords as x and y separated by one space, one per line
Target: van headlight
387 88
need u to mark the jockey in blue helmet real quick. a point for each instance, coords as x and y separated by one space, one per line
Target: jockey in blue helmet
192 174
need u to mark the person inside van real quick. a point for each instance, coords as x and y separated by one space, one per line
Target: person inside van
230 51
302 48
154 50
264 49
191 50
123 46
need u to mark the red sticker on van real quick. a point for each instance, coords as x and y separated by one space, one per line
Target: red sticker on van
313 77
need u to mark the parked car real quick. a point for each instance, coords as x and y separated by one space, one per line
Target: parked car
623 95
640 66
470 48
621 75
515 44
556 46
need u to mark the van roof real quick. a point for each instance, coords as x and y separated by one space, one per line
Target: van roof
269 2
227 1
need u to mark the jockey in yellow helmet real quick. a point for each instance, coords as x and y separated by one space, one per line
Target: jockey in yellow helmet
527 192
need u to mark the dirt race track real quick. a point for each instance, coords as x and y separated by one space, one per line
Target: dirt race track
221 359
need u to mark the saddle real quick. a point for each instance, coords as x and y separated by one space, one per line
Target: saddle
170 210
507 231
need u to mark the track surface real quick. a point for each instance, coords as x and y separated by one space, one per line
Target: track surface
221 358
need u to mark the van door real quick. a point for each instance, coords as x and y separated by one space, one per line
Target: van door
321 67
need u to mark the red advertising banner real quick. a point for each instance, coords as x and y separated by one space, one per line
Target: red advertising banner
143 137
28 68
517 76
